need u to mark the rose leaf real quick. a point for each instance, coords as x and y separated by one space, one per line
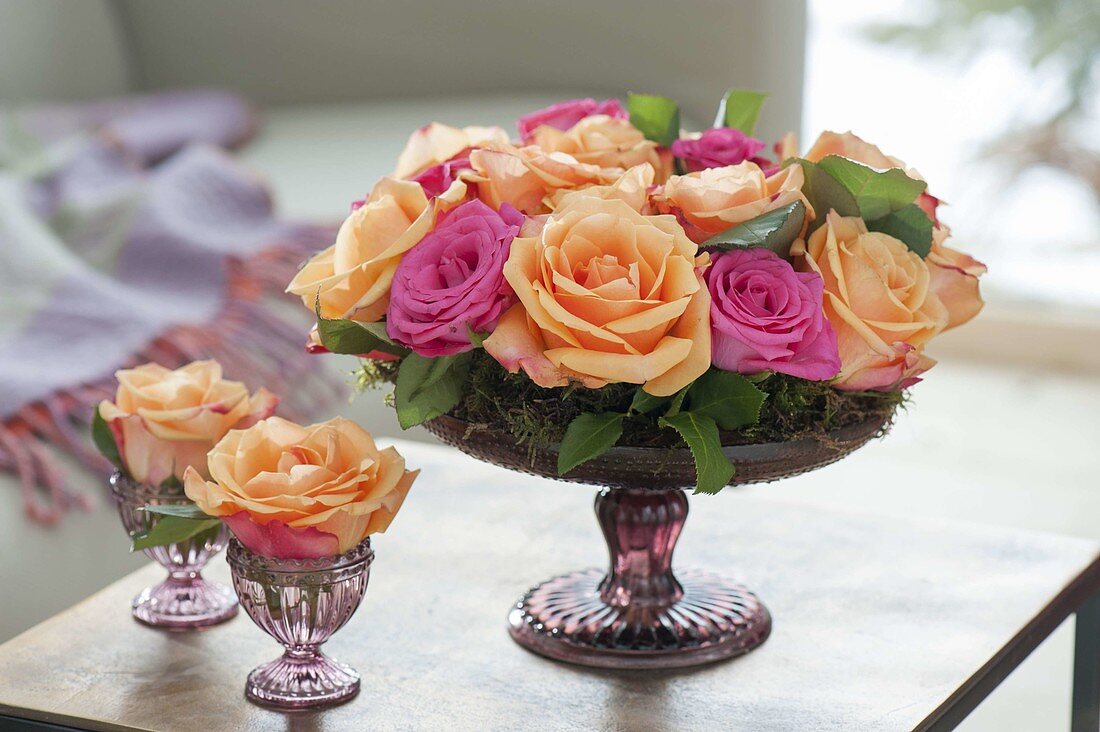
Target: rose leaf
911 225
104 440
644 402
877 193
588 436
775 230
428 387
355 338
658 118
825 193
182 510
740 109
173 530
713 470
730 399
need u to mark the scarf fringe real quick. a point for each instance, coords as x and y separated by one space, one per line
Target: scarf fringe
252 343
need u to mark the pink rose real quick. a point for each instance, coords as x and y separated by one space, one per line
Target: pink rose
563 115
717 148
439 178
452 279
767 317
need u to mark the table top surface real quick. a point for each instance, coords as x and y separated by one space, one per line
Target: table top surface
878 622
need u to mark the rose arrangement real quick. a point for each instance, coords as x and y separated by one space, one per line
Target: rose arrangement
679 284
284 490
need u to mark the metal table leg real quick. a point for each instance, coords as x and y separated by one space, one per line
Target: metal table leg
1086 668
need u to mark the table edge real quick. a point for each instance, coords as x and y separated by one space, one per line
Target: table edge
961 702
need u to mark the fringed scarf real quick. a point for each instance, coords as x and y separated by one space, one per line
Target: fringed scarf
127 235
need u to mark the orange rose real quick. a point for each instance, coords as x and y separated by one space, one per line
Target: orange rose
293 492
352 277
879 300
715 199
606 295
436 143
165 421
954 279
631 187
848 145
787 147
603 141
524 177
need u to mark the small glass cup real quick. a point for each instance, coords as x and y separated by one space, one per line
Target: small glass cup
301 603
185 600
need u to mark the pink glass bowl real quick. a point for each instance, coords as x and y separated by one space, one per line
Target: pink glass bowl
184 601
301 603
638 614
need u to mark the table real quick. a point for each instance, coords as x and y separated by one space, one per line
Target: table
880 624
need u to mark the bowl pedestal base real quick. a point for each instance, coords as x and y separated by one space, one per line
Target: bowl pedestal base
639 614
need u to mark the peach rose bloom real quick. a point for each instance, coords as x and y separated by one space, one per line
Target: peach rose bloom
787 147
435 143
165 421
879 300
294 492
352 277
713 200
603 141
849 145
606 295
632 187
524 177
954 279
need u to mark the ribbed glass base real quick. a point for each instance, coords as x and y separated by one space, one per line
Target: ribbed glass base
567 619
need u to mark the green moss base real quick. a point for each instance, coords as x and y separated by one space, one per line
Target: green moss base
496 399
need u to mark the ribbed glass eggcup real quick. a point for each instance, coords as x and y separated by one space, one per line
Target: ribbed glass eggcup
184 601
301 603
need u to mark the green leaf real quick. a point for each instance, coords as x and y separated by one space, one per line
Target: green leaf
825 193
355 338
677 402
429 387
730 399
877 193
658 118
911 225
740 109
587 436
104 440
713 470
172 530
476 339
775 230
644 402
184 511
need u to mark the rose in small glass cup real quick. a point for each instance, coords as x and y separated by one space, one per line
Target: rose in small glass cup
302 503
161 423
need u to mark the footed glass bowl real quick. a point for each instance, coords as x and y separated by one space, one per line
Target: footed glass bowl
183 601
639 614
301 603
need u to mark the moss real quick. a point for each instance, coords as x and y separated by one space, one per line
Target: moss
799 408
495 399
532 414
